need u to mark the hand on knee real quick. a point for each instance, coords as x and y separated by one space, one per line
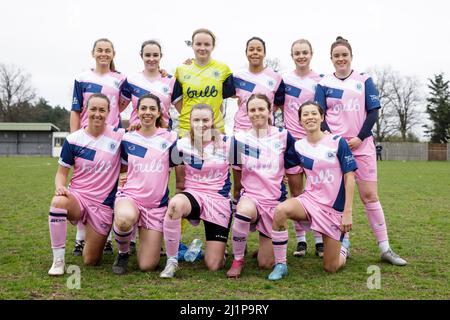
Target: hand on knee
59 202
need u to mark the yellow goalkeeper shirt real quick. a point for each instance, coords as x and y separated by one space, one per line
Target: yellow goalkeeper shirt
208 84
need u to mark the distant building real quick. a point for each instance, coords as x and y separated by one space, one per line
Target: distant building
27 138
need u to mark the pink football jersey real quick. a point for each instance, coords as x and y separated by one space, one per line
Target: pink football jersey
148 160
346 102
138 85
325 164
90 82
297 91
262 160
96 163
208 173
247 83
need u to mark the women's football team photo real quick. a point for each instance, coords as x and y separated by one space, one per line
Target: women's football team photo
254 179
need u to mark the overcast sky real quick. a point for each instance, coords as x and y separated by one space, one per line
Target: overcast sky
52 40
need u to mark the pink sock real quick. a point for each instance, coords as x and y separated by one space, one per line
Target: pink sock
57 222
317 237
377 223
241 229
299 231
172 236
280 241
123 239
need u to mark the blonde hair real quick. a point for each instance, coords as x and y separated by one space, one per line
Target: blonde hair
300 41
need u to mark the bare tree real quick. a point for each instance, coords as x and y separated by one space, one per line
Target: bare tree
406 99
400 98
15 91
387 124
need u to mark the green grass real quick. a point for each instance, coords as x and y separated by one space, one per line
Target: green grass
415 197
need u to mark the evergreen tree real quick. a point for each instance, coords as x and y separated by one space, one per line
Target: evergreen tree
438 108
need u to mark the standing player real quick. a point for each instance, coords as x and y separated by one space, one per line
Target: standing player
94 152
205 152
261 152
204 81
254 79
327 200
102 79
300 86
150 81
143 199
350 101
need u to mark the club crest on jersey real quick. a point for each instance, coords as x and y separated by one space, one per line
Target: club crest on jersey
359 86
164 145
331 155
277 146
112 146
216 74
165 90
117 83
270 83
187 76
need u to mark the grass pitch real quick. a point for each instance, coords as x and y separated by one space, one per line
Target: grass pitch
416 201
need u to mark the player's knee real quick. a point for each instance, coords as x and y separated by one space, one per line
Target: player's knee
123 223
214 264
174 209
280 215
91 260
151 265
265 263
368 196
59 202
331 267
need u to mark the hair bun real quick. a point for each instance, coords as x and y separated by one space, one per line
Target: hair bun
339 38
